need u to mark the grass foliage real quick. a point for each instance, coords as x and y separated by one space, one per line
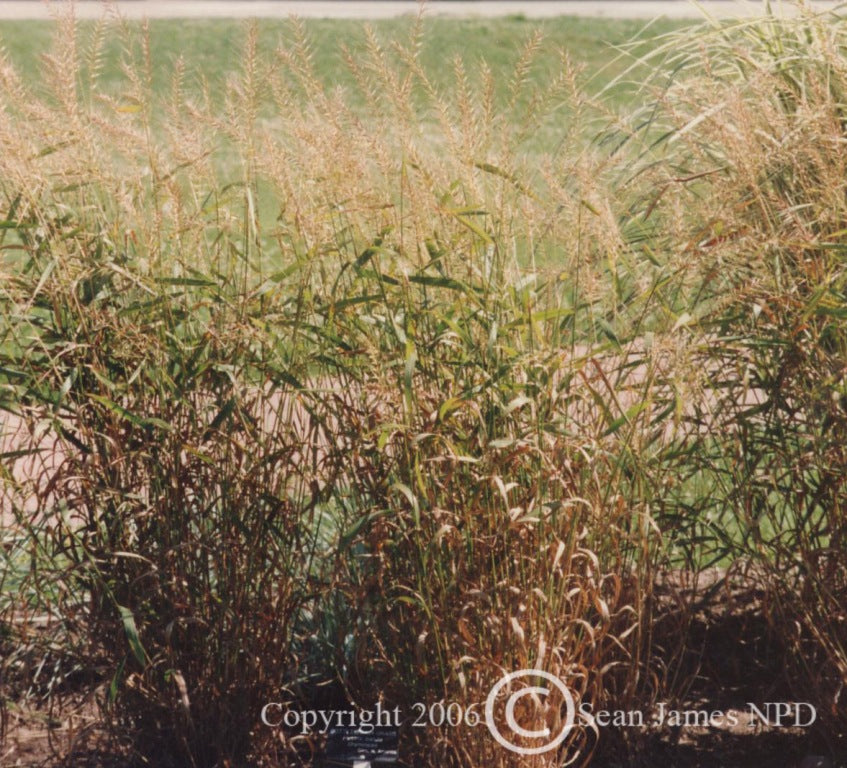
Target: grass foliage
406 384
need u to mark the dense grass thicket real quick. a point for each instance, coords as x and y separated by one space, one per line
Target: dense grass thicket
377 388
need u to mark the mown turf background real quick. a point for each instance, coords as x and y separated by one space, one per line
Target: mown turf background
214 47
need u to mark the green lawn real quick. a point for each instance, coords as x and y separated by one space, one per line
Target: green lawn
213 48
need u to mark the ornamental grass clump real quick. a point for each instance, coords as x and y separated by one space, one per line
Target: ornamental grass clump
750 136
286 401
167 484
371 393
498 528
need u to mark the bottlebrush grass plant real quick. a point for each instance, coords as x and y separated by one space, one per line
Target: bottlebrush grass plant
202 455
751 135
501 532
301 388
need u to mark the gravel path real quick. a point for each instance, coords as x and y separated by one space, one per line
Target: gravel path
381 9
